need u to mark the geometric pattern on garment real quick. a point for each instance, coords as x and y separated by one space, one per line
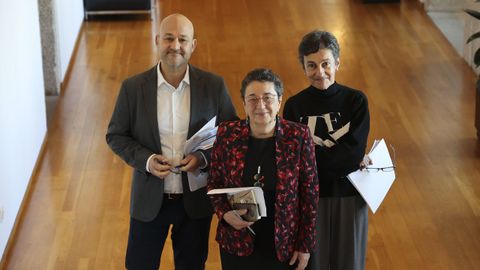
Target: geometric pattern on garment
331 130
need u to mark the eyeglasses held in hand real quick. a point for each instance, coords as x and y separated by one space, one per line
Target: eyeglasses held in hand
267 100
384 169
176 170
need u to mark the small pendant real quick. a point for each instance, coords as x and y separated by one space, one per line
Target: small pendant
258 178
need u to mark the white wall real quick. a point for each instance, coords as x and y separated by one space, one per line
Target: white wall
22 95
68 20
22 105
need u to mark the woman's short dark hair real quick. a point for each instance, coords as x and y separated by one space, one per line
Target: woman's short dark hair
316 40
262 75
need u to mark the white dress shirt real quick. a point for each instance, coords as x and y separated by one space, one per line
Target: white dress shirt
173 116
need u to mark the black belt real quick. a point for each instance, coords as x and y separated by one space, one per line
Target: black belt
172 196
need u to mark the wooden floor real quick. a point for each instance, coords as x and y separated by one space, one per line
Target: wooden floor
421 96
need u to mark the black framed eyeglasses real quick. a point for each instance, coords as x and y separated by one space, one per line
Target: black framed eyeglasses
384 169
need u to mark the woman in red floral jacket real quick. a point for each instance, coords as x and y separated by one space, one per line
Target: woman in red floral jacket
265 150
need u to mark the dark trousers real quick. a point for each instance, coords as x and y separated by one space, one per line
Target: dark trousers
189 239
342 231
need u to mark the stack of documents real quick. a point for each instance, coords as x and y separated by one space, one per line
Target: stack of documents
374 185
202 140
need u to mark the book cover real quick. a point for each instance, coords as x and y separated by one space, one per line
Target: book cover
245 200
250 198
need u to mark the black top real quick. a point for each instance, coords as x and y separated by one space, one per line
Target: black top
339 122
262 152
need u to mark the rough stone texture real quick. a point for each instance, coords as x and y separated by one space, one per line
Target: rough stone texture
50 54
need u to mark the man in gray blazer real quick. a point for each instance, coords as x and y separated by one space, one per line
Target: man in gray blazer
155 113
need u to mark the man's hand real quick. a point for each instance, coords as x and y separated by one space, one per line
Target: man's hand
190 163
302 259
159 166
235 221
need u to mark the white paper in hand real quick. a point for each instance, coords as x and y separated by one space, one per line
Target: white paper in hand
202 140
197 179
373 186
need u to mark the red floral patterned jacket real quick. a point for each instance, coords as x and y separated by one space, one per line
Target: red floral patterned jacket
297 188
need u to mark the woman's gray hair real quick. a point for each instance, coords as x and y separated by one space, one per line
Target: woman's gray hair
316 40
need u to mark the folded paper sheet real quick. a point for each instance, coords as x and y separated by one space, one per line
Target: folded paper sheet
374 185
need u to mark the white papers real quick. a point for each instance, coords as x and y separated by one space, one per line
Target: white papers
197 179
202 140
373 186
258 195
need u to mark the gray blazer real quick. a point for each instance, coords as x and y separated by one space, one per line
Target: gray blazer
133 135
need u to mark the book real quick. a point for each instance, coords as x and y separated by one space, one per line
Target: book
245 200
250 198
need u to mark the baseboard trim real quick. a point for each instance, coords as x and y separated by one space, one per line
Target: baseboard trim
24 203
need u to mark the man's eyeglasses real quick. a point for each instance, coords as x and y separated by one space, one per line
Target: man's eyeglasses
176 169
267 100
384 169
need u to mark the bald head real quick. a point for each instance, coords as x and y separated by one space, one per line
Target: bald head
177 22
175 43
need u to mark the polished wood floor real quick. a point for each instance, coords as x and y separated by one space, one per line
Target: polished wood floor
421 96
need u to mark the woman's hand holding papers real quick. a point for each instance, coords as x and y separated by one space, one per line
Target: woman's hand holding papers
365 162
